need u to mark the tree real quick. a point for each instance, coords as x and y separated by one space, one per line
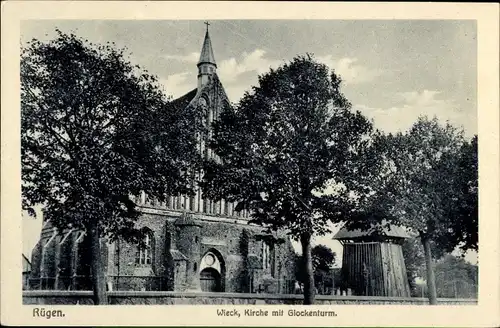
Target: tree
413 254
95 132
462 204
455 277
323 259
287 142
416 188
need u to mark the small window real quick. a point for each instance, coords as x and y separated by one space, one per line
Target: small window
144 253
196 239
195 267
272 261
266 261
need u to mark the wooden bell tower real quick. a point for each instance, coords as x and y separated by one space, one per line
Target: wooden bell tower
373 263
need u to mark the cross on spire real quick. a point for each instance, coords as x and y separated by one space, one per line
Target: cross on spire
207 24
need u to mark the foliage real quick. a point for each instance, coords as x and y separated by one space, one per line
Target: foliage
422 183
456 278
413 254
435 176
323 258
287 142
414 257
95 132
407 186
430 184
462 204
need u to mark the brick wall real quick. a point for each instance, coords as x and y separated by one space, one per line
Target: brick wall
149 298
221 235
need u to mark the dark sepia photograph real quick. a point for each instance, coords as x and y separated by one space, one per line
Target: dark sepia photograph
249 162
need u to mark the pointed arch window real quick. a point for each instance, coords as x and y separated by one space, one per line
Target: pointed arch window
266 261
145 251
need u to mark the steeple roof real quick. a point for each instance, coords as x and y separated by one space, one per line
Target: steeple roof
383 230
207 53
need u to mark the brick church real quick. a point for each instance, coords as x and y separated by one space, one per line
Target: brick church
193 244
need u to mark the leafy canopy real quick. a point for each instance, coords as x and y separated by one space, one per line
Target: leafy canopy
427 181
323 258
96 131
461 206
285 143
455 277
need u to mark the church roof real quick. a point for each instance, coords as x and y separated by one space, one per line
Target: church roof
382 230
207 52
183 101
192 96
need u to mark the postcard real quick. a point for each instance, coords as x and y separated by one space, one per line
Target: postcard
250 164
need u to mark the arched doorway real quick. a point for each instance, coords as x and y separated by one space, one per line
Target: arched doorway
212 271
210 280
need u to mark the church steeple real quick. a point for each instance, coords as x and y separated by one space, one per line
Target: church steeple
206 64
207 53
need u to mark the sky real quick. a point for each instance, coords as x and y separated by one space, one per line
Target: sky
392 71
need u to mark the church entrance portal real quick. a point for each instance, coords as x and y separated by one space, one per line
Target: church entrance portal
212 272
210 280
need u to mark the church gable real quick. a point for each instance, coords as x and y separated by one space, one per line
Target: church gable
209 99
211 95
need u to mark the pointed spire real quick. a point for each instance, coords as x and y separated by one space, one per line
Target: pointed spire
207 53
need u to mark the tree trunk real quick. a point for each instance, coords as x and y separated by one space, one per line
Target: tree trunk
333 282
431 279
309 292
98 279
